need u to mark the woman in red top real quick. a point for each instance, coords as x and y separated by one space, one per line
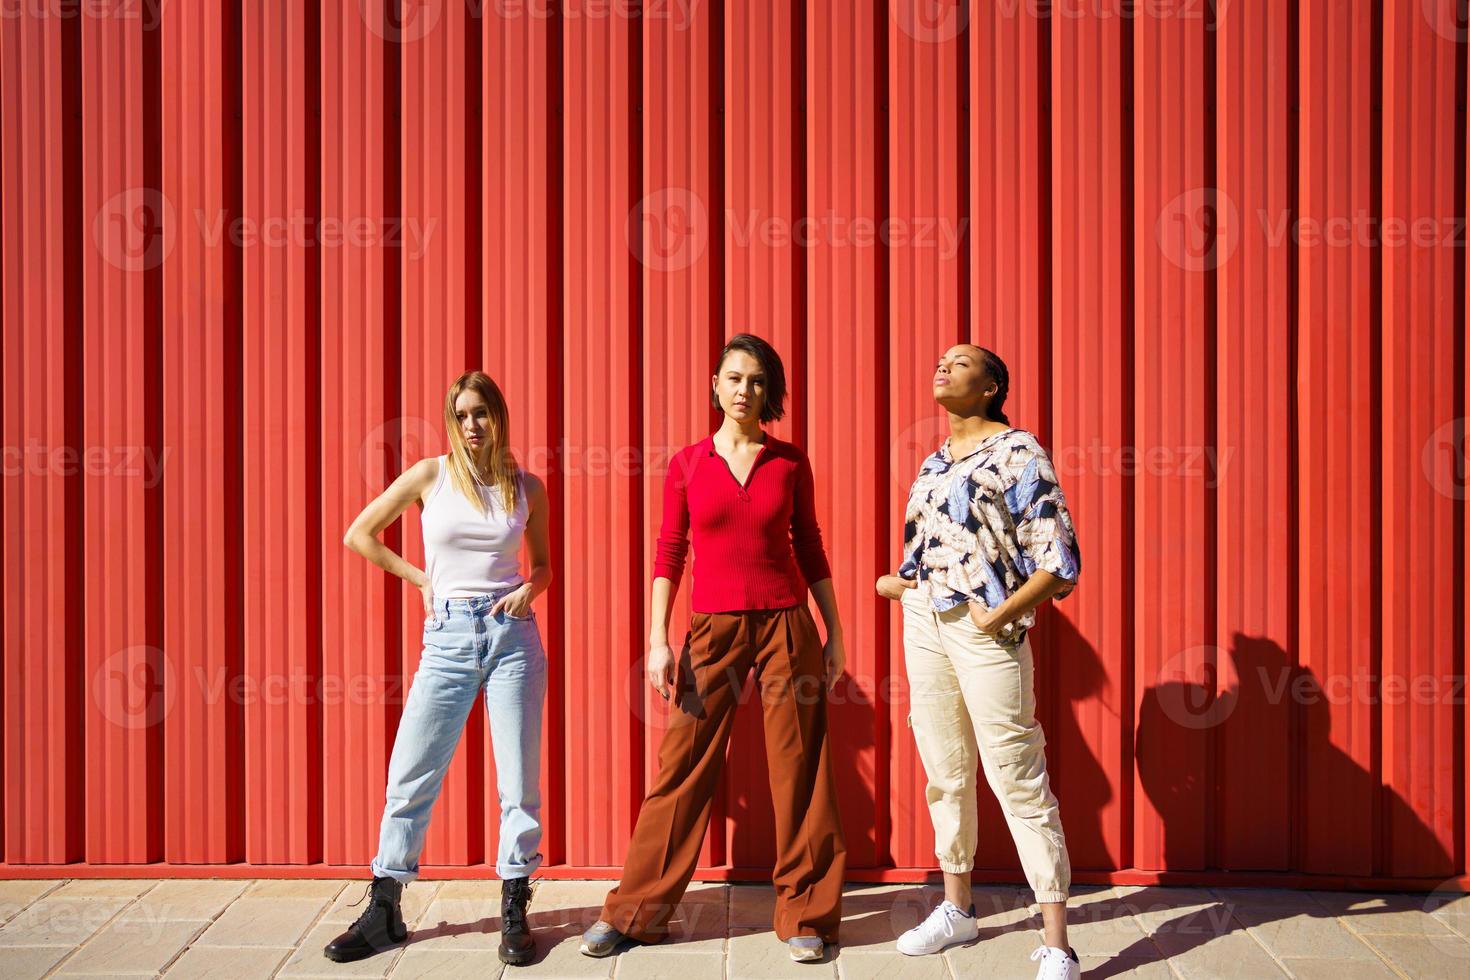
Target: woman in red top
746 499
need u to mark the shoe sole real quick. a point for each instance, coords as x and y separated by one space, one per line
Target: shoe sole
598 953
806 958
518 959
931 952
354 957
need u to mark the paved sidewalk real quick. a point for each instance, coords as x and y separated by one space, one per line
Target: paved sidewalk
236 930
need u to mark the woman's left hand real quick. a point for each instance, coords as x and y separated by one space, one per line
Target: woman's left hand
836 660
989 621
517 603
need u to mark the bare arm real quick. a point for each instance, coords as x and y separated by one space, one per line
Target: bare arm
836 646
1041 586
538 550
362 534
660 663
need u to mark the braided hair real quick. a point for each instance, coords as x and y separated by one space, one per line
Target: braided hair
996 368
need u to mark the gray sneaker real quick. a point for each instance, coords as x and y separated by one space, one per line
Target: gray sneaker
805 949
601 940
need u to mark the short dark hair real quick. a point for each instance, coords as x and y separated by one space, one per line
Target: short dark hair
770 362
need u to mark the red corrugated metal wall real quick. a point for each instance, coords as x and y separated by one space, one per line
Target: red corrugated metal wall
246 245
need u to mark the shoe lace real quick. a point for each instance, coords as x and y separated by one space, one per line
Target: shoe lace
938 922
367 912
515 913
1053 962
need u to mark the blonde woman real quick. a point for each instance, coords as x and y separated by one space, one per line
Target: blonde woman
478 510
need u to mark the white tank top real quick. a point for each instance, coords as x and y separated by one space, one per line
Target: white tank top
466 552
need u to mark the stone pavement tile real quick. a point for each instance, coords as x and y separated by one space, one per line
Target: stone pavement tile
573 904
16 895
707 891
307 959
105 887
663 962
1309 969
263 922
190 899
1385 913
31 962
874 916
697 927
1450 907
1157 898
1106 937
483 889
1141 968
459 924
1288 898
1224 957
1311 934
440 964
1437 957
353 899
873 964
996 955
1176 930
54 921
1104 926
325 889
131 944
559 954
756 954
227 963
993 899
752 906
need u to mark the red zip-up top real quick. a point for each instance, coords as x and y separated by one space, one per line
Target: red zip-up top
756 546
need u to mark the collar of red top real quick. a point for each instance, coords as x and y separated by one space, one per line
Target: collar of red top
709 444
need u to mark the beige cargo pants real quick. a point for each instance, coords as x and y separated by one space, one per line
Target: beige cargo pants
972 702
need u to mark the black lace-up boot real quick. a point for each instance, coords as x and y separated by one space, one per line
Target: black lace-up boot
516 943
378 927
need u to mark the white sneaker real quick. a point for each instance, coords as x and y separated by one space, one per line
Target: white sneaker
946 925
1056 964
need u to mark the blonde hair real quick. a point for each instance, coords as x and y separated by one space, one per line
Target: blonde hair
504 471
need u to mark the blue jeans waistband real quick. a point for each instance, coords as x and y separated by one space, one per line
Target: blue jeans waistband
474 603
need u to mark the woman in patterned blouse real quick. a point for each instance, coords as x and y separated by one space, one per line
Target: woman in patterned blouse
987 539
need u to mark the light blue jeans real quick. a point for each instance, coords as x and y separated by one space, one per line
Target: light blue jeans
466 649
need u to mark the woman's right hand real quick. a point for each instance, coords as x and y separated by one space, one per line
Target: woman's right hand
427 591
661 669
893 586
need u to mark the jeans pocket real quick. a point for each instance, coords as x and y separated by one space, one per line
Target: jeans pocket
433 623
529 617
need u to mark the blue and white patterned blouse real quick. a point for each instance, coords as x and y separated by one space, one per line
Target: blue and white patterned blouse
977 527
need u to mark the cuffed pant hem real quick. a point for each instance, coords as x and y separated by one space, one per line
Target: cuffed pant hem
956 867
1052 896
403 876
504 871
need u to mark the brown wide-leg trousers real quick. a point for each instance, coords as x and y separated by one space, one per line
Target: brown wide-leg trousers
786 652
